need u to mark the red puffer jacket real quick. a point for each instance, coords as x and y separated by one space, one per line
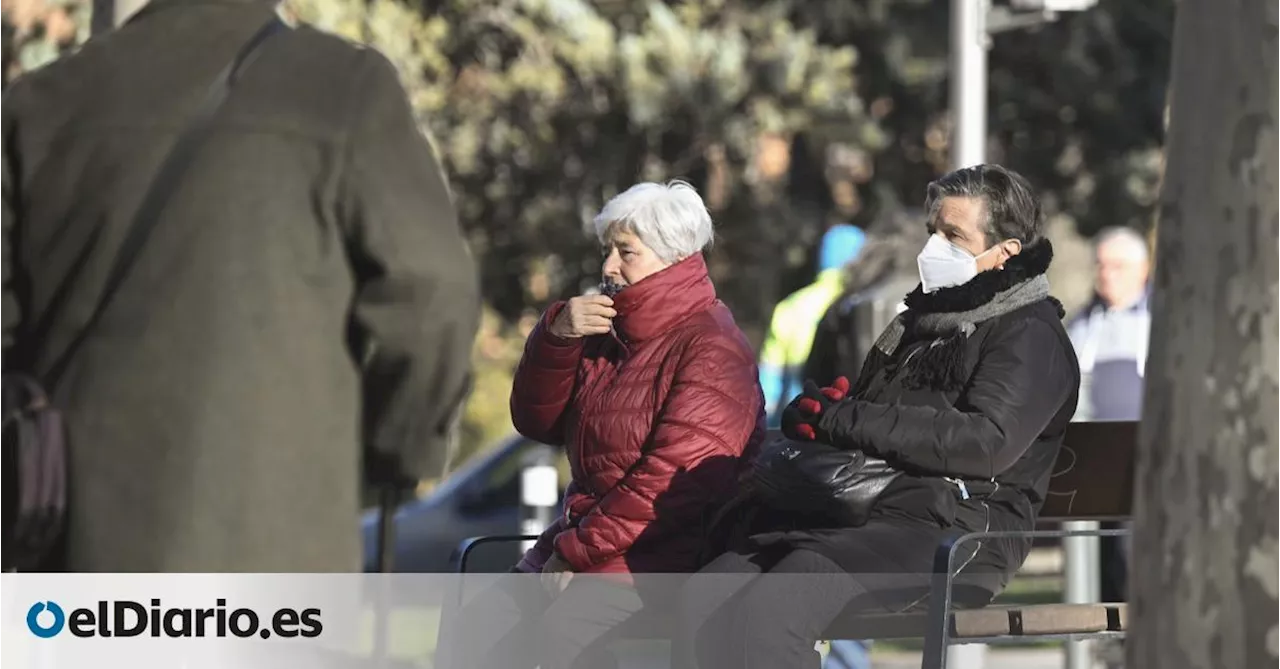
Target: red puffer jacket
658 420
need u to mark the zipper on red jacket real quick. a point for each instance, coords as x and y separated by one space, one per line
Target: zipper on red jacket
622 343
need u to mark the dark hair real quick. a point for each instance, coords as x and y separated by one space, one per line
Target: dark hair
1013 210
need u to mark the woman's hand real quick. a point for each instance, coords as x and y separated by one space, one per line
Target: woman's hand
584 315
800 419
556 574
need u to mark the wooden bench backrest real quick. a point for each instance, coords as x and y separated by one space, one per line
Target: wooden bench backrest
1093 478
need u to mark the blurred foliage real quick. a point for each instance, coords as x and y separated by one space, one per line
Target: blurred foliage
787 114
38 31
543 109
1077 105
496 351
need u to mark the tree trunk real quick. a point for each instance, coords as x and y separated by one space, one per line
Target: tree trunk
1204 576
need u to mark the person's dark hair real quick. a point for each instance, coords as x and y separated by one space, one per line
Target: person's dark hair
1013 210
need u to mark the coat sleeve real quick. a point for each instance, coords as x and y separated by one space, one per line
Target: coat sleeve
416 306
1022 380
544 382
710 413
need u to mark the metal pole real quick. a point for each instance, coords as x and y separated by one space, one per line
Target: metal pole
539 491
1082 584
968 148
968 82
388 502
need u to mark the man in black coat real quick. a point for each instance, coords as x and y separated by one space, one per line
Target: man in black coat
301 314
967 393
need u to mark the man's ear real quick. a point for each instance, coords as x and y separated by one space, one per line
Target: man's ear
1012 247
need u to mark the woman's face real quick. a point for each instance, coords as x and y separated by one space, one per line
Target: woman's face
627 260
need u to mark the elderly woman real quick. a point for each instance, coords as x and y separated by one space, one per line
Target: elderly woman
967 394
652 389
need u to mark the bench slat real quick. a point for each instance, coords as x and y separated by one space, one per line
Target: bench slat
985 623
992 621
1058 619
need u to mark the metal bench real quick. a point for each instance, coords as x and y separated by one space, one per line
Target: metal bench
1092 480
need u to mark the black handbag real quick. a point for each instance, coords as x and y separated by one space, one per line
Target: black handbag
810 477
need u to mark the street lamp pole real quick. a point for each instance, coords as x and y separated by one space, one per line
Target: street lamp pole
968 83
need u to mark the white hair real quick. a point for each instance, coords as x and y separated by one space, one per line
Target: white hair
1129 238
669 218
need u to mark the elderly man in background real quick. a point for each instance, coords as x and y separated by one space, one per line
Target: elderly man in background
1110 337
1110 334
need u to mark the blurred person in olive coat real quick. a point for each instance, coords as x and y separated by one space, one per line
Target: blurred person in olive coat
299 319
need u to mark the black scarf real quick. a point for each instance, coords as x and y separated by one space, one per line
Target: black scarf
946 317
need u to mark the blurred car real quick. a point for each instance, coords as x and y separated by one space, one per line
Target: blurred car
480 498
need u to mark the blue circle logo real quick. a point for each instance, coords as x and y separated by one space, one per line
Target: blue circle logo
43 631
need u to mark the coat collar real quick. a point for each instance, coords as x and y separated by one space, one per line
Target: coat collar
654 304
1032 262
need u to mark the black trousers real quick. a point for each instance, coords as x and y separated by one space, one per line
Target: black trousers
766 607
516 624
730 617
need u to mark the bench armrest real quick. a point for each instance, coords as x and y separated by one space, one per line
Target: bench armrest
944 558
464 549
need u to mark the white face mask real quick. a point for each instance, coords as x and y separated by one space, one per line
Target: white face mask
943 264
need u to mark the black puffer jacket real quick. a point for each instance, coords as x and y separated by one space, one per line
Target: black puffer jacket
1000 429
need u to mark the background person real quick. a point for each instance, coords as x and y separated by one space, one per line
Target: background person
1111 333
873 286
305 292
790 336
